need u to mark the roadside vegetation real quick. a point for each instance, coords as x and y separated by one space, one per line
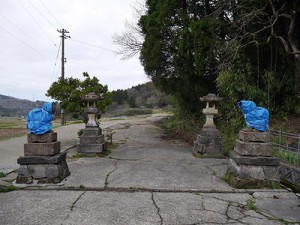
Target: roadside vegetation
246 50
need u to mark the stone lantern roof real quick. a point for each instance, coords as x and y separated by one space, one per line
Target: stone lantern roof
92 97
210 98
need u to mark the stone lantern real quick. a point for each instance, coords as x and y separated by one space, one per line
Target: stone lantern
92 139
91 110
211 108
208 142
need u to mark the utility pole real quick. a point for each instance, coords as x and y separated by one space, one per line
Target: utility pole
63 61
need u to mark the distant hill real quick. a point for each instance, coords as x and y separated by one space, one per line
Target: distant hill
14 107
141 96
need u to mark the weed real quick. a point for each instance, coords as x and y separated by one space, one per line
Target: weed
288 157
105 153
77 155
80 132
251 205
272 185
81 186
109 135
230 179
2 174
249 183
8 189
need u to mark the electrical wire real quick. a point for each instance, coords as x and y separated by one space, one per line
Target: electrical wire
55 61
51 13
42 14
35 41
20 40
92 45
36 22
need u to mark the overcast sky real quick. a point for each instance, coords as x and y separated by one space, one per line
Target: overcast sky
30 57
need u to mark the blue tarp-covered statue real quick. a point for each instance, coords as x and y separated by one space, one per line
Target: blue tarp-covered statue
256 117
39 119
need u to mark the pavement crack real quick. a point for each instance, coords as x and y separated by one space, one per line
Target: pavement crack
158 209
74 203
107 176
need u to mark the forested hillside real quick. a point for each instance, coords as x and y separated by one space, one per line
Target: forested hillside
143 96
13 107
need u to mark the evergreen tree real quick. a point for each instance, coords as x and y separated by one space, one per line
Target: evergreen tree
178 51
69 92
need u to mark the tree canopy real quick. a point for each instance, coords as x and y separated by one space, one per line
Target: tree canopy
69 92
239 48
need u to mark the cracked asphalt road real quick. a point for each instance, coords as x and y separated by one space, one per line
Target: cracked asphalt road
146 180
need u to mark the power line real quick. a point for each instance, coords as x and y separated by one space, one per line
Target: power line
25 43
41 14
36 22
55 61
51 13
92 45
35 41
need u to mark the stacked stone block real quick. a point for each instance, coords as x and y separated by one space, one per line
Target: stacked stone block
91 141
252 157
208 143
42 160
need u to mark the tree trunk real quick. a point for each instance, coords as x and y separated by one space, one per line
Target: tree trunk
297 73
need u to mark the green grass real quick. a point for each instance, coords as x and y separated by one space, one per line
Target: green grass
251 205
76 122
288 157
8 189
12 123
2 174
117 118
230 179
135 112
249 183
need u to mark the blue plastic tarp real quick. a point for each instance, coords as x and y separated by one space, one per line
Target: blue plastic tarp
39 119
256 117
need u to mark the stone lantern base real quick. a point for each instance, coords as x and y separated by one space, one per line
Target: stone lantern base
252 157
208 143
91 141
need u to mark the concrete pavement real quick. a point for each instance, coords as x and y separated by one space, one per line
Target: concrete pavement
145 180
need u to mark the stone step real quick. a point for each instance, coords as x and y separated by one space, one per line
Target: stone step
91 139
26 160
209 140
43 138
91 148
253 148
42 149
247 135
253 160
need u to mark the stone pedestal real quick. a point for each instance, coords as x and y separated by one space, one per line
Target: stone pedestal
42 160
252 157
208 143
91 141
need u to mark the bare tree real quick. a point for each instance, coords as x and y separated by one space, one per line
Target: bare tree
274 19
130 40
